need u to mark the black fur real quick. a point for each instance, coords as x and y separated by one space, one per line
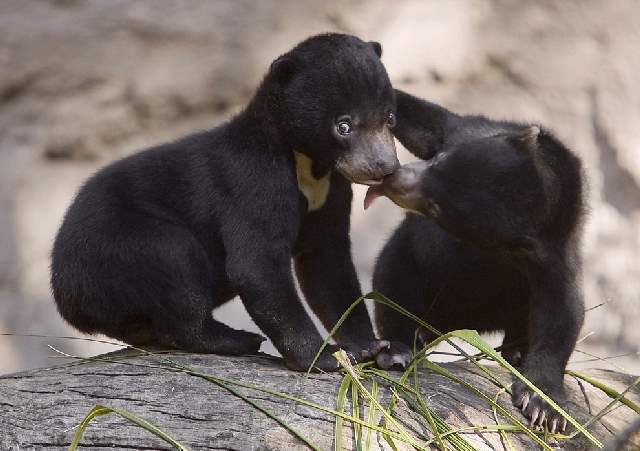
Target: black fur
154 242
498 245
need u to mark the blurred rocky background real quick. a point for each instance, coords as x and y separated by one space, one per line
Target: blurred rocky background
85 81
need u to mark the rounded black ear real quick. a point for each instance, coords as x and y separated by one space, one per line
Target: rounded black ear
283 68
377 47
529 137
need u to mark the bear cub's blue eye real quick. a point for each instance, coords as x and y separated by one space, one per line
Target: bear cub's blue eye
391 119
344 127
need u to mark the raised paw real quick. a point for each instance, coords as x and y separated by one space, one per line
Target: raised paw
396 356
537 410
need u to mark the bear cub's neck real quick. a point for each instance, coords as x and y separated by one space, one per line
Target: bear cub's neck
262 114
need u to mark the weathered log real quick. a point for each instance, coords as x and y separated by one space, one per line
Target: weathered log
39 409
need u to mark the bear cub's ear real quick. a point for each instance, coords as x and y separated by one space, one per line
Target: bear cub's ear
283 68
528 138
377 47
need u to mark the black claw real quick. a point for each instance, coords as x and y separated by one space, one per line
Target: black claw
540 415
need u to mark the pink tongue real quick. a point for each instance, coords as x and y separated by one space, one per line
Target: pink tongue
372 194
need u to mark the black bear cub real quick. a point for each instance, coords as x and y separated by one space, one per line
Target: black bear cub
495 245
153 242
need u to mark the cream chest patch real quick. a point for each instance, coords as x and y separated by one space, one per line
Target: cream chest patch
315 190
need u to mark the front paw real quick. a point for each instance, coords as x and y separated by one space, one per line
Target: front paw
397 356
364 350
536 409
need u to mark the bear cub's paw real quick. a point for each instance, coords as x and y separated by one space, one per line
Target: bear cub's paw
357 351
364 350
396 357
226 341
536 409
239 342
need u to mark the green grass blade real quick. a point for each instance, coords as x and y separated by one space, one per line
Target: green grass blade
333 331
482 428
342 358
271 415
104 410
503 434
437 424
609 407
342 397
382 299
425 410
445 433
473 338
355 412
401 387
371 415
446 373
389 410
453 436
610 392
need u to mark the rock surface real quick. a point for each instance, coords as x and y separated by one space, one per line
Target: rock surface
84 82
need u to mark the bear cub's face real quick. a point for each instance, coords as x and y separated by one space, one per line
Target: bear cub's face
337 107
485 191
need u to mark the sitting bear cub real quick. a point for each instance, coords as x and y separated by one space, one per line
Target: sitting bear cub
153 242
495 244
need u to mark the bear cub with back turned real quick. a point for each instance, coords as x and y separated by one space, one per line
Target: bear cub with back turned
495 245
154 242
